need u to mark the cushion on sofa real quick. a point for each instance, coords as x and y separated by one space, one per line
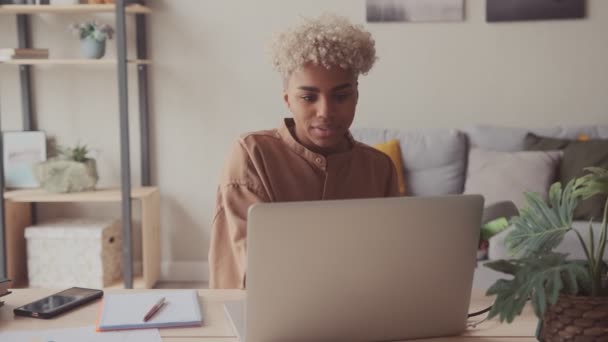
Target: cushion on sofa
577 155
393 151
507 138
506 176
433 159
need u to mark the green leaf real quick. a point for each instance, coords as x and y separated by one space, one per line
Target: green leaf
596 182
591 242
587 253
541 227
504 266
540 278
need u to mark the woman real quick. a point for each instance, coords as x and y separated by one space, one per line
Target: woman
311 156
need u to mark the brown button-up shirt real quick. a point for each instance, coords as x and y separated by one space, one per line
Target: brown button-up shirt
271 166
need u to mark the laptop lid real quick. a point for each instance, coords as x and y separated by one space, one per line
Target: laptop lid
361 270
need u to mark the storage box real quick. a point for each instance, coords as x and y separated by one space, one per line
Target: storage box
74 252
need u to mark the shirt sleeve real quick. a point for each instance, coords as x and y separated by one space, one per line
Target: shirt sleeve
228 250
239 189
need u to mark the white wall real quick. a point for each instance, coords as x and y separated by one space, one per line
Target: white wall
211 80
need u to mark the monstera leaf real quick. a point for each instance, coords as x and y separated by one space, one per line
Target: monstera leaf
540 227
538 278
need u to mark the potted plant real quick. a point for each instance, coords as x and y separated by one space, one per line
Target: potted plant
93 38
570 297
71 171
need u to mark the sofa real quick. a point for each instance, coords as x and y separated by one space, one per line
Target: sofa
453 161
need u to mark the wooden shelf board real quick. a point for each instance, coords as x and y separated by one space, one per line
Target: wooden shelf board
138 283
100 195
84 8
72 61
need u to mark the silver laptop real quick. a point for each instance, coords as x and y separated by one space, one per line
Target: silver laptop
359 270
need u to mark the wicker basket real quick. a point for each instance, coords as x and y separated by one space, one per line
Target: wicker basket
576 319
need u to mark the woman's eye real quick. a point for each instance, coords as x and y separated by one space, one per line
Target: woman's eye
308 98
342 96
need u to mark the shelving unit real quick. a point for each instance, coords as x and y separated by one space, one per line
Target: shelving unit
73 61
15 214
17 203
71 9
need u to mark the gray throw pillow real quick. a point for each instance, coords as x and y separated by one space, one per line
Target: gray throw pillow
577 156
506 176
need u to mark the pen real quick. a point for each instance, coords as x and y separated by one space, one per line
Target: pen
154 309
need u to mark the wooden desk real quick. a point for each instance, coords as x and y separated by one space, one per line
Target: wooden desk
217 328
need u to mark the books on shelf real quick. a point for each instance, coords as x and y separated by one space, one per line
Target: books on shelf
4 286
7 54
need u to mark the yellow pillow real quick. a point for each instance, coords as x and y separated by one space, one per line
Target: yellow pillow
391 148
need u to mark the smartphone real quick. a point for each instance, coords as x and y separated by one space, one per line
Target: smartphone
58 303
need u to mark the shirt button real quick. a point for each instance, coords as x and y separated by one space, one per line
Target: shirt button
318 160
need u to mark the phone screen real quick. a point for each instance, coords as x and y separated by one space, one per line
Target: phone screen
57 300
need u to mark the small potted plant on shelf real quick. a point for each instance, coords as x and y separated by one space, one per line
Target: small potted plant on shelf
71 171
93 38
570 297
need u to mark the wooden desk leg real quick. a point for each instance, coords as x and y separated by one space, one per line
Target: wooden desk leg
150 231
18 217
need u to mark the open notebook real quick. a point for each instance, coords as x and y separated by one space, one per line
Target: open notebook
127 310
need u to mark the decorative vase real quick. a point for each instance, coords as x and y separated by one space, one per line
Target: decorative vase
576 318
92 48
61 175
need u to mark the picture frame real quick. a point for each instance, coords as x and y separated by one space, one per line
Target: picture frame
21 151
524 10
414 11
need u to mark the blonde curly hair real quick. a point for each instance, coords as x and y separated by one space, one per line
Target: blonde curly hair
330 41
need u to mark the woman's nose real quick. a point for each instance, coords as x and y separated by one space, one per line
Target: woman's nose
325 108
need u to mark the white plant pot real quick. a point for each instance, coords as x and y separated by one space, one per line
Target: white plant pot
91 48
59 175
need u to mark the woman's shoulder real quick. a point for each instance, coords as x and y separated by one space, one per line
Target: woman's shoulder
257 137
369 151
258 142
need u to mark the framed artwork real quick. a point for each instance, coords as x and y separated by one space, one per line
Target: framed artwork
517 10
22 150
414 10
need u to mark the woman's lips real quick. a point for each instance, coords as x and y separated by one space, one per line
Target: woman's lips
324 132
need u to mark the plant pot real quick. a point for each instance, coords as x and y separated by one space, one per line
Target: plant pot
60 175
576 318
92 48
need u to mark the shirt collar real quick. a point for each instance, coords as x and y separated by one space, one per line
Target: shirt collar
292 143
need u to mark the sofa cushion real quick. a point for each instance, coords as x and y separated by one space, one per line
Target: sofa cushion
393 151
506 176
577 155
507 138
433 159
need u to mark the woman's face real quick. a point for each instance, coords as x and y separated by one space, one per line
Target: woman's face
323 103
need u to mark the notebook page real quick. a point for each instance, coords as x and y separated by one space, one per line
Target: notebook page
126 310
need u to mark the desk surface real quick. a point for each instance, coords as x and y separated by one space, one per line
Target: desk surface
217 328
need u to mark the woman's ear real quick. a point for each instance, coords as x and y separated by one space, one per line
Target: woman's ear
286 98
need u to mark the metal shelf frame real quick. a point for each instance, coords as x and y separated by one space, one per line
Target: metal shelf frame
29 123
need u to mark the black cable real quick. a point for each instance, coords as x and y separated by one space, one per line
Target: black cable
480 312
